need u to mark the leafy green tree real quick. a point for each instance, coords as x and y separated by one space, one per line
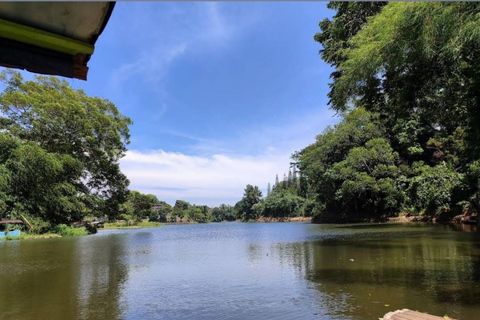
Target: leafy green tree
180 208
282 203
44 184
197 214
428 72
251 196
406 84
333 146
433 189
367 184
222 213
335 34
78 141
141 204
239 209
160 211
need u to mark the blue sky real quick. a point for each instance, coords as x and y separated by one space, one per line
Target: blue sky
220 93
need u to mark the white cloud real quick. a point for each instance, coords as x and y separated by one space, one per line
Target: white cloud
204 180
219 175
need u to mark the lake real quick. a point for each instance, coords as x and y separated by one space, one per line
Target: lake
244 271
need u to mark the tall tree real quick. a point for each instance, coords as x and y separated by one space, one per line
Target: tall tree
401 71
335 34
268 189
87 134
251 196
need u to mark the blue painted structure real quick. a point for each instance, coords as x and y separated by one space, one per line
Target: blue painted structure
13 233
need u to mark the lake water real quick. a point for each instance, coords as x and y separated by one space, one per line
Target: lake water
244 271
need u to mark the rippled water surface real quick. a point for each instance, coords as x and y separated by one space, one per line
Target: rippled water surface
244 271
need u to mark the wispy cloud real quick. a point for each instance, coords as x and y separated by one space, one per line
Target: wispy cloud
205 180
162 37
222 171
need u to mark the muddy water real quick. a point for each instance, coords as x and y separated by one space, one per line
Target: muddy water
244 271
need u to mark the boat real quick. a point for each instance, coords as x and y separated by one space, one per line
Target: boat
10 233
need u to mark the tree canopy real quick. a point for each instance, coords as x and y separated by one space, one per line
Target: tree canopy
407 84
59 151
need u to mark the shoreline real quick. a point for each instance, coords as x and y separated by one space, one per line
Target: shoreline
392 220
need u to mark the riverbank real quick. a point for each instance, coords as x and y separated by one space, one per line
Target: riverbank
459 219
284 219
123 225
26 236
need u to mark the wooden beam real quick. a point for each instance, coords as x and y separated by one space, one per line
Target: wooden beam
43 39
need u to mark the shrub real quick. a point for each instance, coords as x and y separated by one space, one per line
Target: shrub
66 231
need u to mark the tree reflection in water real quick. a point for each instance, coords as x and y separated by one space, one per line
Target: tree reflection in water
62 278
365 274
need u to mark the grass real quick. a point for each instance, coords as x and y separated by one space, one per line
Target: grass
30 236
66 231
59 231
63 230
134 225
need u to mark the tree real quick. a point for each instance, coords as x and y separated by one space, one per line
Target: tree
44 185
239 209
335 34
251 196
160 211
180 208
367 184
402 70
282 204
429 72
268 189
72 135
139 206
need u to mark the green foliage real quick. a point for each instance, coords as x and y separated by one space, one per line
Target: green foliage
59 152
432 188
66 231
244 208
132 225
350 17
179 210
139 206
406 82
282 203
366 183
160 212
223 213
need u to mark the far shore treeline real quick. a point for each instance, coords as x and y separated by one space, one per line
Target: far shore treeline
405 84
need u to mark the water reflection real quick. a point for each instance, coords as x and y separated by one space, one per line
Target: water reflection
62 278
369 274
244 271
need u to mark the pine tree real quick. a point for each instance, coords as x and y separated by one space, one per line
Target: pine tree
268 189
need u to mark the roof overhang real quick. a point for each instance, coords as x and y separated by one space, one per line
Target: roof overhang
56 38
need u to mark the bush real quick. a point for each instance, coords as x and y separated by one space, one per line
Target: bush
433 188
66 231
